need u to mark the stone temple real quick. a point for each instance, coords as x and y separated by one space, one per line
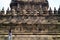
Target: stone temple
30 20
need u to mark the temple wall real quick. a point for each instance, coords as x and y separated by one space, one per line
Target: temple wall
31 37
31 29
30 20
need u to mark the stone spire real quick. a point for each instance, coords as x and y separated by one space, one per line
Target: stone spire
7 11
50 11
2 11
59 10
55 11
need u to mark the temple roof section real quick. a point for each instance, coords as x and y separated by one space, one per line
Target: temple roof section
32 2
36 1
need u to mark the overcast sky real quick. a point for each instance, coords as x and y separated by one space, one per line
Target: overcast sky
52 3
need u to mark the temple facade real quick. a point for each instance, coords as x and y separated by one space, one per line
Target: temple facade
30 20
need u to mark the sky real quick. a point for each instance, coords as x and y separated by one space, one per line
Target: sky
52 4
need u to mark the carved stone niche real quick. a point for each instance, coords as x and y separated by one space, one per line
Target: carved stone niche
56 38
26 28
24 11
13 11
